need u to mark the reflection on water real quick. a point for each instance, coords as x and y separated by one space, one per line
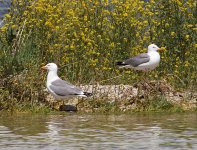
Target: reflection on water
74 131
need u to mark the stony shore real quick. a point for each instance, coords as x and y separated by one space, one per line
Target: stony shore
130 97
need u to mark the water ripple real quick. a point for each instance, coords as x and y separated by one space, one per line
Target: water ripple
158 131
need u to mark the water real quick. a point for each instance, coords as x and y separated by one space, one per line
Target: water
100 132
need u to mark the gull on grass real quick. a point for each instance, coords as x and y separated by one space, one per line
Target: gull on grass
144 61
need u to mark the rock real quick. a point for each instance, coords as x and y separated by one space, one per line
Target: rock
68 108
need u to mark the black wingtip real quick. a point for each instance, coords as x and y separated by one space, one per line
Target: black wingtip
88 94
120 63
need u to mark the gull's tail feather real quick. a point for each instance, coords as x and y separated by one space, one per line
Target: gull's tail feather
88 94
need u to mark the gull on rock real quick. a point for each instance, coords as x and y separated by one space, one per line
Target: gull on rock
61 89
144 61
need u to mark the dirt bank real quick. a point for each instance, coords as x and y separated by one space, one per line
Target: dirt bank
132 97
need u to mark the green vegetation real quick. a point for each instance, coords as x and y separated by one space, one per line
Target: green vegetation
86 37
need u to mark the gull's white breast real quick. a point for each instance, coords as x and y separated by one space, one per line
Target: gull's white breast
152 64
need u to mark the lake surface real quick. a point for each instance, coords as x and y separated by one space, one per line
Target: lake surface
100 132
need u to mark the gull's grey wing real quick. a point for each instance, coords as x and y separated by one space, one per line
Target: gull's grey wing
137 60
64 88
4 9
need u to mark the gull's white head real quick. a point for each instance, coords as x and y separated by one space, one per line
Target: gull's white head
152 48
50 67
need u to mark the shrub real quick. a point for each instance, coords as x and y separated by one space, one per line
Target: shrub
87 37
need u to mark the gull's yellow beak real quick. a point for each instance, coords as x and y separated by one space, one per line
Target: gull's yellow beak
161 49
43 68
